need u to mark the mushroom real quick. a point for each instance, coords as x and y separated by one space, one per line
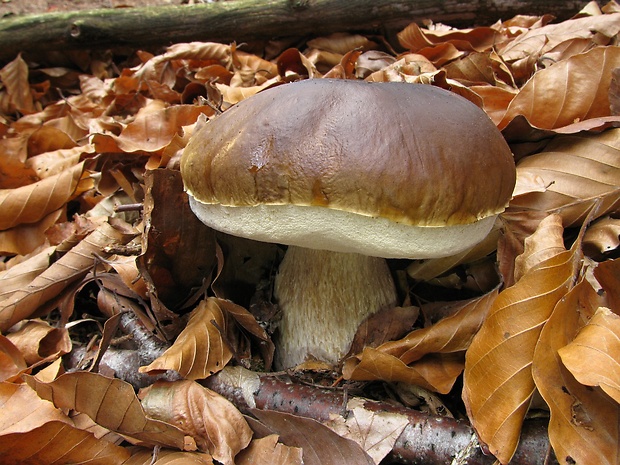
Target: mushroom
347 174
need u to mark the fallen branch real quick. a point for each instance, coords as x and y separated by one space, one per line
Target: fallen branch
427 439
249 20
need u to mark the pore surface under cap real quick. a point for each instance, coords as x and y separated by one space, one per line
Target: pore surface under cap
340 231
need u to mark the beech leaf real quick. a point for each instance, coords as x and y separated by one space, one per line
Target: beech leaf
430 357
200 350
574 172
583 425
109 402
320 445
69 268
215 424
593 357
498 382
31 203
572 90
268 450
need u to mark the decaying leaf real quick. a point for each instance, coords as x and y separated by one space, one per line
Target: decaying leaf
583 427
112 404
431 357
214 423
574 172
69 268
572 91
200 350
58 443
593 357
269 450
320 445
375 432
498 382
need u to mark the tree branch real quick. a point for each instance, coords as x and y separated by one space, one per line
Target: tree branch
249 20
426 439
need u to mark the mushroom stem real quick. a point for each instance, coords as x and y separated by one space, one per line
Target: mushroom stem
324 297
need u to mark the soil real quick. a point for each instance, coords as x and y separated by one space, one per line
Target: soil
23 7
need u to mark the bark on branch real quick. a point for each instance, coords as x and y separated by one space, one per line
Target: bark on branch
426 439
249 20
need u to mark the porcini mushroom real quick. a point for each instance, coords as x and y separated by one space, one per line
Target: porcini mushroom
347 173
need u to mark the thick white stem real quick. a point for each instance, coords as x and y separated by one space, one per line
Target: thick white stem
324 296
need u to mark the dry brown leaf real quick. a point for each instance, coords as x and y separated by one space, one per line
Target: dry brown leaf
29 204
14 77
593 357
57 443
27 237
23 410
341 43
268 450
142 456
153 128
69 268
37 340
200 350
110 403
215 424
411 359
375 432
602 236
320 445
574 172
498 383
607 275
434 372
546 242
12 362
536 42
21 274
583 427
478 39
571 91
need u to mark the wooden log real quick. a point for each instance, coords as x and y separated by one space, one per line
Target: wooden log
250 20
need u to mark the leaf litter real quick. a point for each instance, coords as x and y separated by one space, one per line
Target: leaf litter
89 183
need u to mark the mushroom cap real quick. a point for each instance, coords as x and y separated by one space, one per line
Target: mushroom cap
386 169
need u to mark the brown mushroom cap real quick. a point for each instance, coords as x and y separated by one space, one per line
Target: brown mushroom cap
314 155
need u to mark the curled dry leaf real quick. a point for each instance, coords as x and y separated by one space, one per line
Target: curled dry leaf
602 236
593 357
498 382
110 403
14 77
31 203
200 350
525 50
478 39
320 445
141 456
268 450
69 268
58 443
583 425
26 237
569 92
545 243
413 358
215 424
23 410
12 361
574 172
375 432
37 340
22 273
